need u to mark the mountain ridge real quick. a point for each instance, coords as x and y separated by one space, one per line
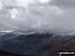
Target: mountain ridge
38 44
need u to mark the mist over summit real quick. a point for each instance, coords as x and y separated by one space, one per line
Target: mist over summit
37 14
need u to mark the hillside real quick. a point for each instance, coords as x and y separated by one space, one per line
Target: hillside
37 45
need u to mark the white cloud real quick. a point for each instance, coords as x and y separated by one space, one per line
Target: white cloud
8 31
1 5
9 2
58 11
44 1
35 17
25 3
29 14
13 13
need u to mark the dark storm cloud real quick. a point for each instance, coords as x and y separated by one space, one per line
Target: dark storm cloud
64 3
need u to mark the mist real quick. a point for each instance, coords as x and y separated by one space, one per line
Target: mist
52 15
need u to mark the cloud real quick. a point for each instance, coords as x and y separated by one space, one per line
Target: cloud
13 13
25 3
52 15
1 5
64 3
44 1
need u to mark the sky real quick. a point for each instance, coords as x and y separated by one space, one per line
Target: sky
52 15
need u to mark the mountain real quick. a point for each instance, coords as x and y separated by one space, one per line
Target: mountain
5 32
7 35
36 44
26 44
2 33
4 53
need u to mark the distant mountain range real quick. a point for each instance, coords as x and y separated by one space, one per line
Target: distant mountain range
34 43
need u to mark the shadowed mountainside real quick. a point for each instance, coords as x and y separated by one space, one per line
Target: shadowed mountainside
37 45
